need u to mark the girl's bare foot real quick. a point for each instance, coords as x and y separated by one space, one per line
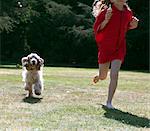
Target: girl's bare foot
109 106
96 79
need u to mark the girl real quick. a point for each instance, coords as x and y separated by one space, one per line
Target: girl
110 29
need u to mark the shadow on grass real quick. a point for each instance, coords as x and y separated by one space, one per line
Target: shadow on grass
126 117
32 100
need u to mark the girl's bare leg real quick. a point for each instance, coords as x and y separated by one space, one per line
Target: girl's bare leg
103 70
115 67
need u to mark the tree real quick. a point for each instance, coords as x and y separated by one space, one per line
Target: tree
61 32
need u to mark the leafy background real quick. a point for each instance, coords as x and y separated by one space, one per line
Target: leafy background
61 32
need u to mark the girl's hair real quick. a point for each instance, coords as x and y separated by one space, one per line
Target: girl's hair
127 6
104 4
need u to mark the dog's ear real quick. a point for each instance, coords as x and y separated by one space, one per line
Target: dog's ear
41 61
24 61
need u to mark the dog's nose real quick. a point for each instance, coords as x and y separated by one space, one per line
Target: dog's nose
33 62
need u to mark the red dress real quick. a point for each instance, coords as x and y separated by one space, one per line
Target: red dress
111 40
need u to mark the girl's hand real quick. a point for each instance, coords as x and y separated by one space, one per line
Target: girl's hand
134 23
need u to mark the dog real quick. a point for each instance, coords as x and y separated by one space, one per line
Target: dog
32 74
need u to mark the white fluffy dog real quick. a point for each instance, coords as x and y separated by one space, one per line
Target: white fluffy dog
32 73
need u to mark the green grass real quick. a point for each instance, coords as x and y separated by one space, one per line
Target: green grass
71 101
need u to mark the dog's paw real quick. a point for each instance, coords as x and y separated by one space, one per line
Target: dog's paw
37 92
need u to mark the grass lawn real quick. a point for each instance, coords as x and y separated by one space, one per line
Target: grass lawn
71 101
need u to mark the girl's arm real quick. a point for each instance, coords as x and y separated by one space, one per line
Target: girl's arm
99 19
134 23
102 25
106 20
